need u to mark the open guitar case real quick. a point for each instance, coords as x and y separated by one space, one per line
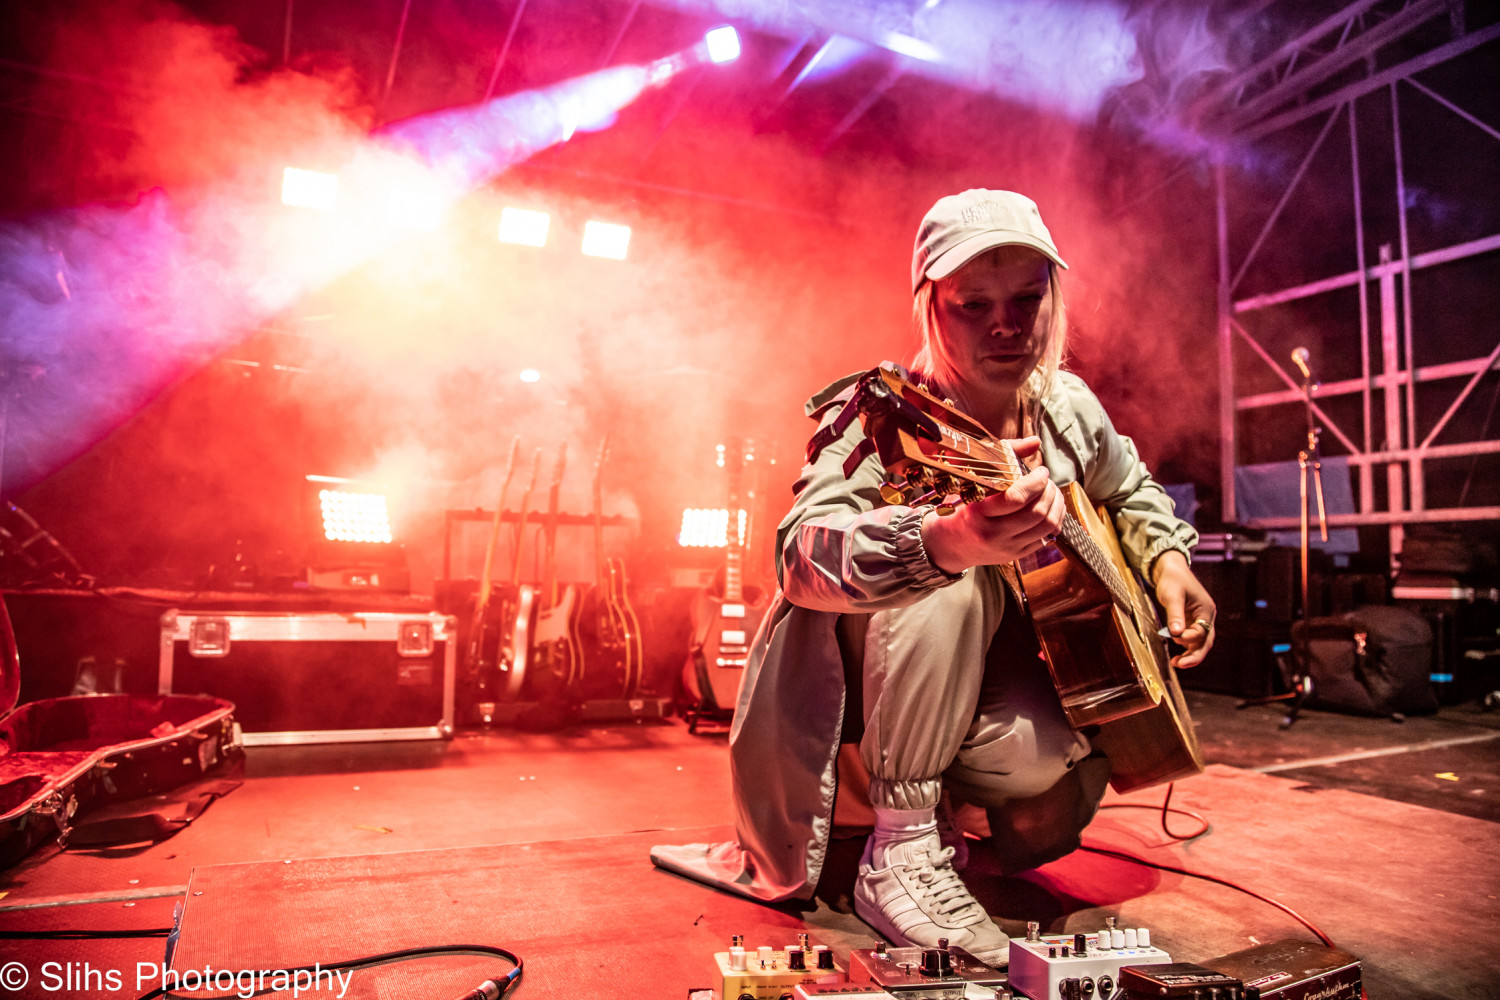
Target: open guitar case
101 769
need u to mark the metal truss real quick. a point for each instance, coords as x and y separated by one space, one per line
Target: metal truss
1389 383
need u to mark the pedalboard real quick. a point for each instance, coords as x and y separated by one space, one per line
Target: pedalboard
768 974
1079 966
941 973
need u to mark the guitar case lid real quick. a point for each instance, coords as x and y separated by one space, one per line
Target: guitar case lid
10 664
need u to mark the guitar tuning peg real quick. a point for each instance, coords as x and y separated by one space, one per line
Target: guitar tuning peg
971 492
944 509
891 493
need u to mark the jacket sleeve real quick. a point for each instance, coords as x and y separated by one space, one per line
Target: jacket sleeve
1118 479
840 548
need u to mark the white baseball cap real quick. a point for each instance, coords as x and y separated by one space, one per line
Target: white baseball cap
961 226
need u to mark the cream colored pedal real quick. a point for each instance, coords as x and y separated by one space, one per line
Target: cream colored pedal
768 974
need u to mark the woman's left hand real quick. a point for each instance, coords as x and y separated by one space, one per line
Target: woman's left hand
1188 606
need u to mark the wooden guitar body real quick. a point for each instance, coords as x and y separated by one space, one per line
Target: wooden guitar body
608 630
1110 667
1097 626
610 636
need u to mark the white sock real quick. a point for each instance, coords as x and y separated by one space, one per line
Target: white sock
899 826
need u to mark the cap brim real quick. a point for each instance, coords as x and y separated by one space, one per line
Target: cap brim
957 256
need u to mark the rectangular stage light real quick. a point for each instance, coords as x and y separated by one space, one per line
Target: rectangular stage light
309 189
355 517
605 239
524 227
708 528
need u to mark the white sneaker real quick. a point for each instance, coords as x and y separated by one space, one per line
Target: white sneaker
919 898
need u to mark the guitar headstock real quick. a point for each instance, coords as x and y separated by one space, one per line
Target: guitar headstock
932 451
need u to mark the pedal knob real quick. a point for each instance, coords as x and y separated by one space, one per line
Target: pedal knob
1132 938
766 955
737 961
1116 938
796 959
1080 944
1143 937
1104 940
824 956
936 962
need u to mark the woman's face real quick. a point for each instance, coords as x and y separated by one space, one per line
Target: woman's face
993 317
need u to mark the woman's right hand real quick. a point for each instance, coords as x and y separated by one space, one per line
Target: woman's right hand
1002 527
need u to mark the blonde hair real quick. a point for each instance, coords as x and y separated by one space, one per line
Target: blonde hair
931 361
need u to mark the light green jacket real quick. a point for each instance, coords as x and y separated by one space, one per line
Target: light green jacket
841 550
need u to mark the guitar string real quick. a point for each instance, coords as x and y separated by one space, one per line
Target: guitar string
1072 532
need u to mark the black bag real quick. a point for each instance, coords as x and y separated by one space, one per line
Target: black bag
1374 660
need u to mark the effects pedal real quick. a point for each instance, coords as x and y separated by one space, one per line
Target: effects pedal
1079 966
941 973
1293 970
1179 981
768 974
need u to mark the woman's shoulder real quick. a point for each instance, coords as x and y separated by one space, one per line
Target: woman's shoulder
1069 397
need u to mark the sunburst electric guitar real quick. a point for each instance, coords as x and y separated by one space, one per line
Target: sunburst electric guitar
725 618
1098 627
608 629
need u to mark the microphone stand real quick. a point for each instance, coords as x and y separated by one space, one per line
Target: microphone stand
1309 460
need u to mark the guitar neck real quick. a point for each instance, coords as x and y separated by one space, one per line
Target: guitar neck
1075 539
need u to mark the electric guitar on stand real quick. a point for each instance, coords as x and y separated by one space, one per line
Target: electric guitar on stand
1098 627
556 667
515 645
494 608
725 616
607 625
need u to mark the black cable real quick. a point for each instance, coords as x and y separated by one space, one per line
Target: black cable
83 935
491 989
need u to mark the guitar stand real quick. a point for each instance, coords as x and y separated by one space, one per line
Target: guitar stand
707 711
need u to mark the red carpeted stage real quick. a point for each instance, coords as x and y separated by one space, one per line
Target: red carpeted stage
538 843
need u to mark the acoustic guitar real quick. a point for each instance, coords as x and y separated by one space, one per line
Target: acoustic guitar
725 617
1097 625
555 664
608 629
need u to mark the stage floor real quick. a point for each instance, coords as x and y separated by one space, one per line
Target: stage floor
538 843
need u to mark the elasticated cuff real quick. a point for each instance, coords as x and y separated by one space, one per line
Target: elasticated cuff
911 554
919 793
1166 543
